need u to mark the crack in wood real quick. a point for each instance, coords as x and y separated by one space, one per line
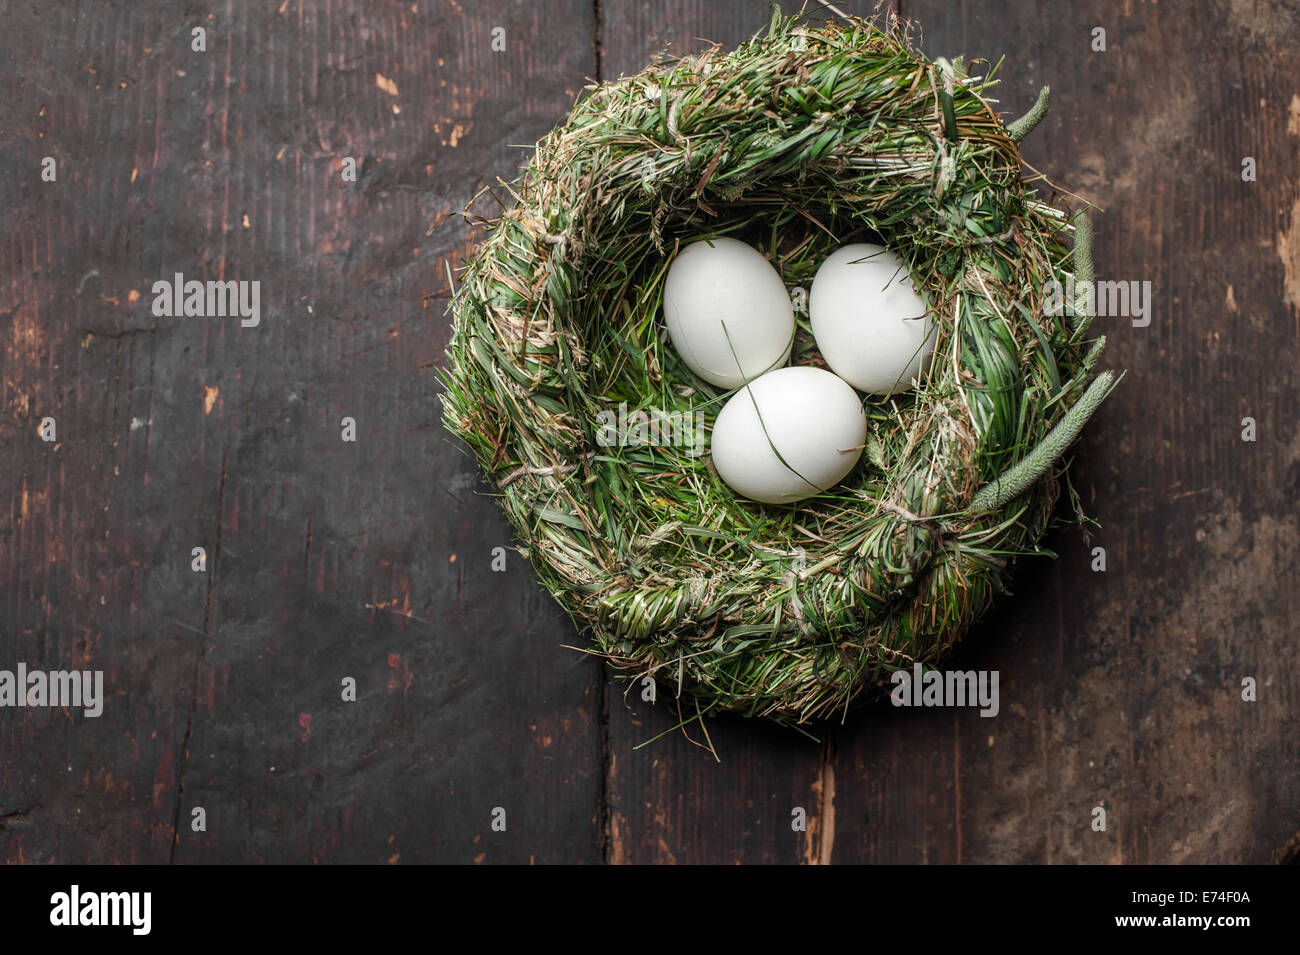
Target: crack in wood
198 661
605 820
597 38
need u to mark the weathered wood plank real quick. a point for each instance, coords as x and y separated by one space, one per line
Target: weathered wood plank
326 559
671 801
1123 689
1119 689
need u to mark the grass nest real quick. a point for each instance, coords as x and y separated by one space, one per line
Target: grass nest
801 140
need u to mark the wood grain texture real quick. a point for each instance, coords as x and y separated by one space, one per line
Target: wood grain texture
372 560
1123 689
326 559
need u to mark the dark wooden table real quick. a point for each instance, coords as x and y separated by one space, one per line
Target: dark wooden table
371 560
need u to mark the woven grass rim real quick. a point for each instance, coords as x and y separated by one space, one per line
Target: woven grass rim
798 141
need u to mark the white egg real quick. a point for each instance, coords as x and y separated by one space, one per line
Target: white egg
807 414
728 313
870 324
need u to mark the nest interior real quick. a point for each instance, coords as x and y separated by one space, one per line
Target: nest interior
797 142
